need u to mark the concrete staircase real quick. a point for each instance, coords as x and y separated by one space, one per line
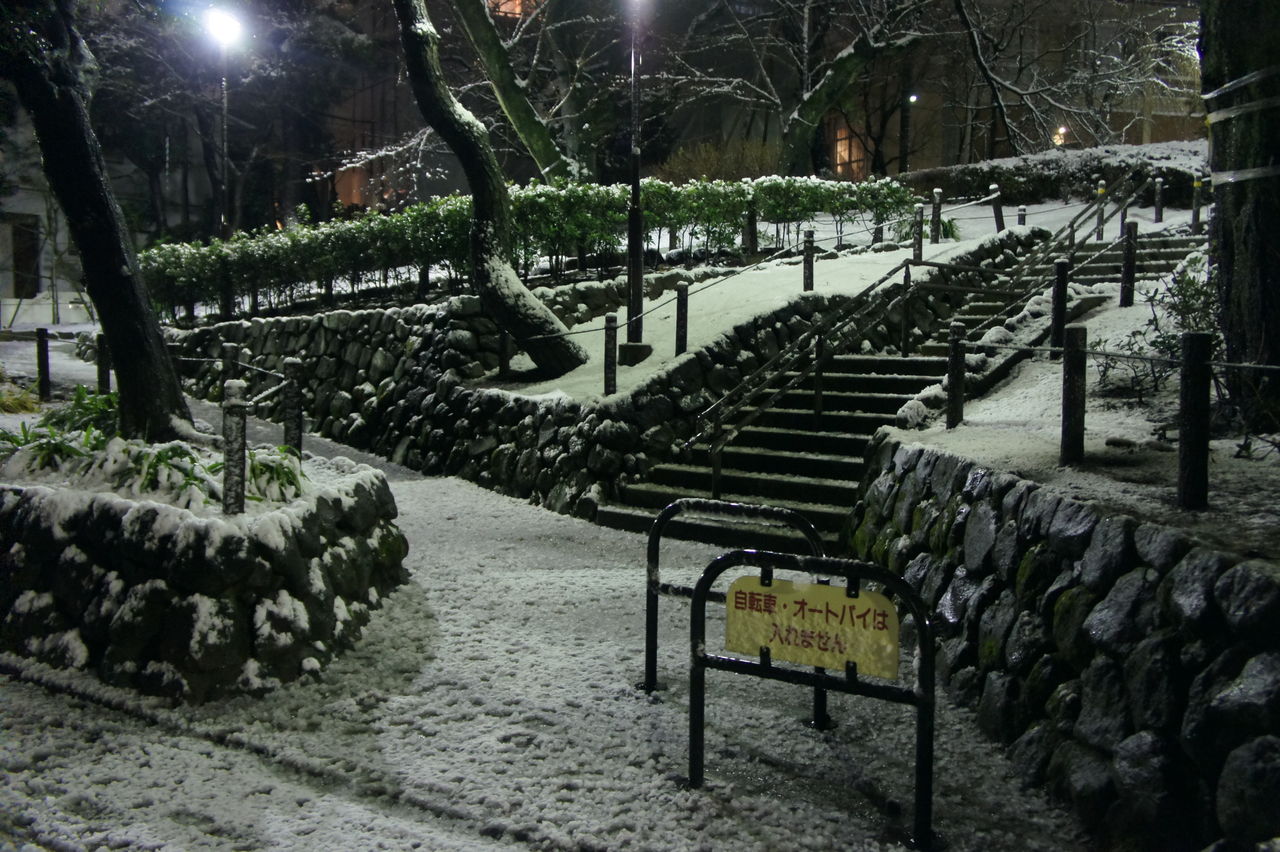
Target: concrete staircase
794 458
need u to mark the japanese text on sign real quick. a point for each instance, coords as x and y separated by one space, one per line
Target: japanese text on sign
813 625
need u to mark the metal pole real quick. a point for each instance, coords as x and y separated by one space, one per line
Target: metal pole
1129 266
1073 394
904 330
1193 419
808 261
935 217
1022 214
635 225
104 364
1102 210
1058 317
996 210
292 403
682 317
955 374
904 135
610 354
235 410
44 387
1159 201
917 233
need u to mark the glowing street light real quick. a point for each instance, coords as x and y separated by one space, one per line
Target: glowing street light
904 134
225 29
1060 137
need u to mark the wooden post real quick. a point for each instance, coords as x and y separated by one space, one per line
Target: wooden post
44 385
104 364
1073 393
917 233
682 317
750 241
996 209
1058 318
1102 210
1193 420
955 374
230 361
610 354
808 261
1022 214
904 330
1129 266
235 410
935 217
1196 192
1158 215
291 412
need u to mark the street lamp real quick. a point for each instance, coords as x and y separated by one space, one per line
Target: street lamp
904 134
225 29
634 350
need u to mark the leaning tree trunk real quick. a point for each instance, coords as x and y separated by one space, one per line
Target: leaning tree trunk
535 328
1237 39
510 90
48 73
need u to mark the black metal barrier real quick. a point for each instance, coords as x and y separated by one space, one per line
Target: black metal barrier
655 586
921 694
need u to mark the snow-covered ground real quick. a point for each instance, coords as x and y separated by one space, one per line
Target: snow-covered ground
491 703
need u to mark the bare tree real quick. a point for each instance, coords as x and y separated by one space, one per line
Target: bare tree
43 55
507 300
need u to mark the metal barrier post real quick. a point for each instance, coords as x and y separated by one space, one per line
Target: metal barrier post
235 410
917 233
104 364
44 386
1071 450
230 361
291 403
1196 192
996 209
955 374
1193 420
682 317
610 354
1102 210
935 218
1058 318
1158 215
808 261
1022 214
904 330
1129 267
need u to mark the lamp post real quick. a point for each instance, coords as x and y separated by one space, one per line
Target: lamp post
224 28
634 350
904 134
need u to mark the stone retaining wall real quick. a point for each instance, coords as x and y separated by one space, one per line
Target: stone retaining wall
155 598
1133 672
404 383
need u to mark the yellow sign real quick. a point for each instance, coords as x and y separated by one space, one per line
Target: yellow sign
813 625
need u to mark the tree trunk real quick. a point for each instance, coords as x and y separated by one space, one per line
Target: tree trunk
510 90
1238 39
802 125
48 73
535 328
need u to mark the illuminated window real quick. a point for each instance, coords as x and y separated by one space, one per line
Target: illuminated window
848 157
513 8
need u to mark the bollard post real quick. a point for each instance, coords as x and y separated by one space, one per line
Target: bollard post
808 261
682 317
1058 318
1102 211
1158 215
750 241
955 374
235 409
44 386
292 404
877 234
1073 393
904 330
917 233
996 209
104 364
1193 420
504 353
610 354
935 217
1022 214
1196 191
1129 266
230 353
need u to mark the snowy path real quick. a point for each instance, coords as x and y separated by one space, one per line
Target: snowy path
491 705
